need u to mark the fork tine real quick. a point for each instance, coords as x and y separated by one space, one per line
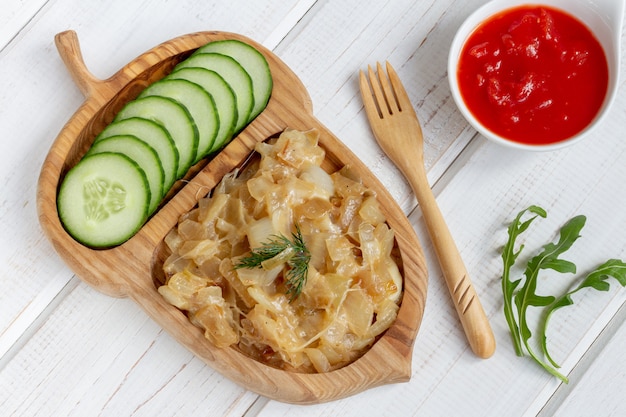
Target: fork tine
379 96
388 92
402 98
371 107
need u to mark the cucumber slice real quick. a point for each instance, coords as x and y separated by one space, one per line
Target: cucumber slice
198 102
154 135
174 118
253 62
234 74
103 200
141 153
223 95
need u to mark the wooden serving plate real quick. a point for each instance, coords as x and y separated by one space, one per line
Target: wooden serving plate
133 269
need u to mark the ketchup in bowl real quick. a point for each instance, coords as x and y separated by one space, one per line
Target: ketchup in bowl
533 74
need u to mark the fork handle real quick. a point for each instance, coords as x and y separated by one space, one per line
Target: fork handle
471 313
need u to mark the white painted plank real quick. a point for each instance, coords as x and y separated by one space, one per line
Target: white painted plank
23 325
286 25
595 393
15 15
102 356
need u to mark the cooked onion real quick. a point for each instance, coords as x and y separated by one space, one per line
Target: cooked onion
354 283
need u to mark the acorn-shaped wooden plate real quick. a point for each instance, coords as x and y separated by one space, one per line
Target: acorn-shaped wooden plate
133 269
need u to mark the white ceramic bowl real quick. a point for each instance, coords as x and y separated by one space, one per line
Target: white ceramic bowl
602 17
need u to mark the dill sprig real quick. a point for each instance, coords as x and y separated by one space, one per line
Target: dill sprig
277 250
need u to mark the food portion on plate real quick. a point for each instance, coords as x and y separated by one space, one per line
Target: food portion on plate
291 265
194 112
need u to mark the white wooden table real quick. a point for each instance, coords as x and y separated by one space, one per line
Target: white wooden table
66 349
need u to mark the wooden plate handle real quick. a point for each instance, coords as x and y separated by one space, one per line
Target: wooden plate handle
69 49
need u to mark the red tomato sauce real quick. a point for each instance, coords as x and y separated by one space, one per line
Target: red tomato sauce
533 74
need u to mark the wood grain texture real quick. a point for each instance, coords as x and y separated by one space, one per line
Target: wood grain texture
132 269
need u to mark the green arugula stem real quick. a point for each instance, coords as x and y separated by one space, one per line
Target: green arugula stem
509 255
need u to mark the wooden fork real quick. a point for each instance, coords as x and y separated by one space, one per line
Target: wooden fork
398 132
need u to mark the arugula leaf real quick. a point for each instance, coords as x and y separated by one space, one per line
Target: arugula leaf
547 259
509 255
597 280
522 292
